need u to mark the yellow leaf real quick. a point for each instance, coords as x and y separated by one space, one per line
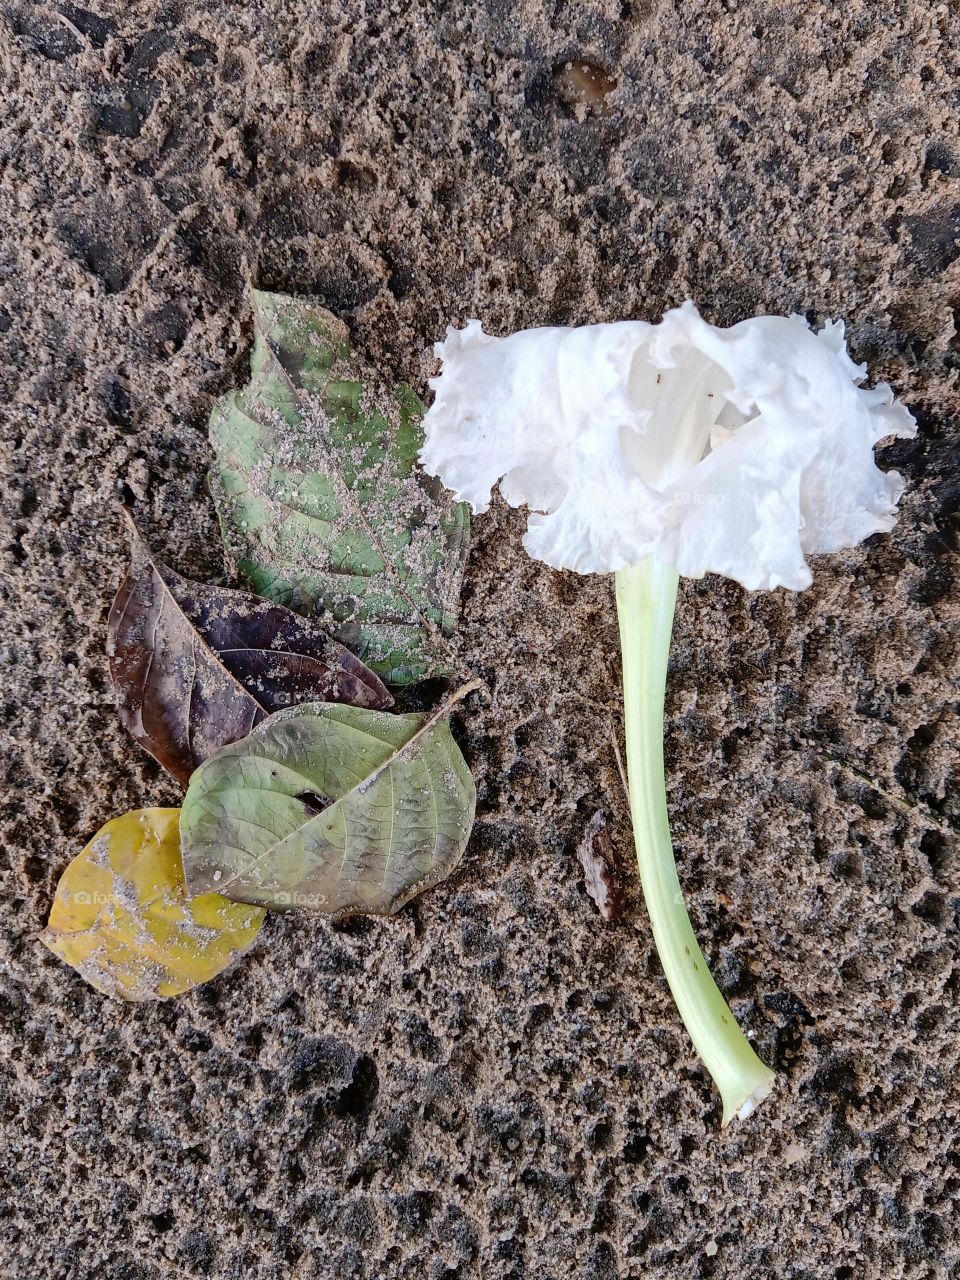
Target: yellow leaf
121 916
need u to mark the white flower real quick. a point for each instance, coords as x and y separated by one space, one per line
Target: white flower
735 451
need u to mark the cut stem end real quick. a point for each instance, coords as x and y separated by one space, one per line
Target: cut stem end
748 1106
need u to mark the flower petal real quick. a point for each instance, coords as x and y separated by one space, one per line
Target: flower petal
734 451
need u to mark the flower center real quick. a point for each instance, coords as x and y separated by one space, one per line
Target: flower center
677 410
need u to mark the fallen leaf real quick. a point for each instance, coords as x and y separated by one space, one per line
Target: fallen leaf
195 667
122 919
322 504
599 863
334 809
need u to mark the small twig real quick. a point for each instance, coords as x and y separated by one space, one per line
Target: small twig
78 35
620 768
911 806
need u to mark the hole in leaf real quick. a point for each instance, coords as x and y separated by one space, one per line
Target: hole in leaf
313 800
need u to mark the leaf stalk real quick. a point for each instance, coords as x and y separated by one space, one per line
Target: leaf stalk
646 599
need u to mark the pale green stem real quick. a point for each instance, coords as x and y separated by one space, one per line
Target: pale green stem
646 597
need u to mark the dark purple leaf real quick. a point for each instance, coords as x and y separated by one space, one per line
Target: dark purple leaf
195 667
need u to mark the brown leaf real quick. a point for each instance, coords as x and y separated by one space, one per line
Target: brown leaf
195 667
599 863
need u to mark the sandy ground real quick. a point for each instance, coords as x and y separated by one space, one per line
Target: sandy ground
495 1083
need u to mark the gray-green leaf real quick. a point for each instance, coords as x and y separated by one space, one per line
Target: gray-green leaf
331 808
322 505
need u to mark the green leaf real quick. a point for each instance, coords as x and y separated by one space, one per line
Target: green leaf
333 808
322 505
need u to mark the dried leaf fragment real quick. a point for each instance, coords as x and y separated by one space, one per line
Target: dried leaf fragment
122 919
331 808
195 667
583 86
599 862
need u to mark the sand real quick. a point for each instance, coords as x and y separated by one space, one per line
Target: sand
495 1082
